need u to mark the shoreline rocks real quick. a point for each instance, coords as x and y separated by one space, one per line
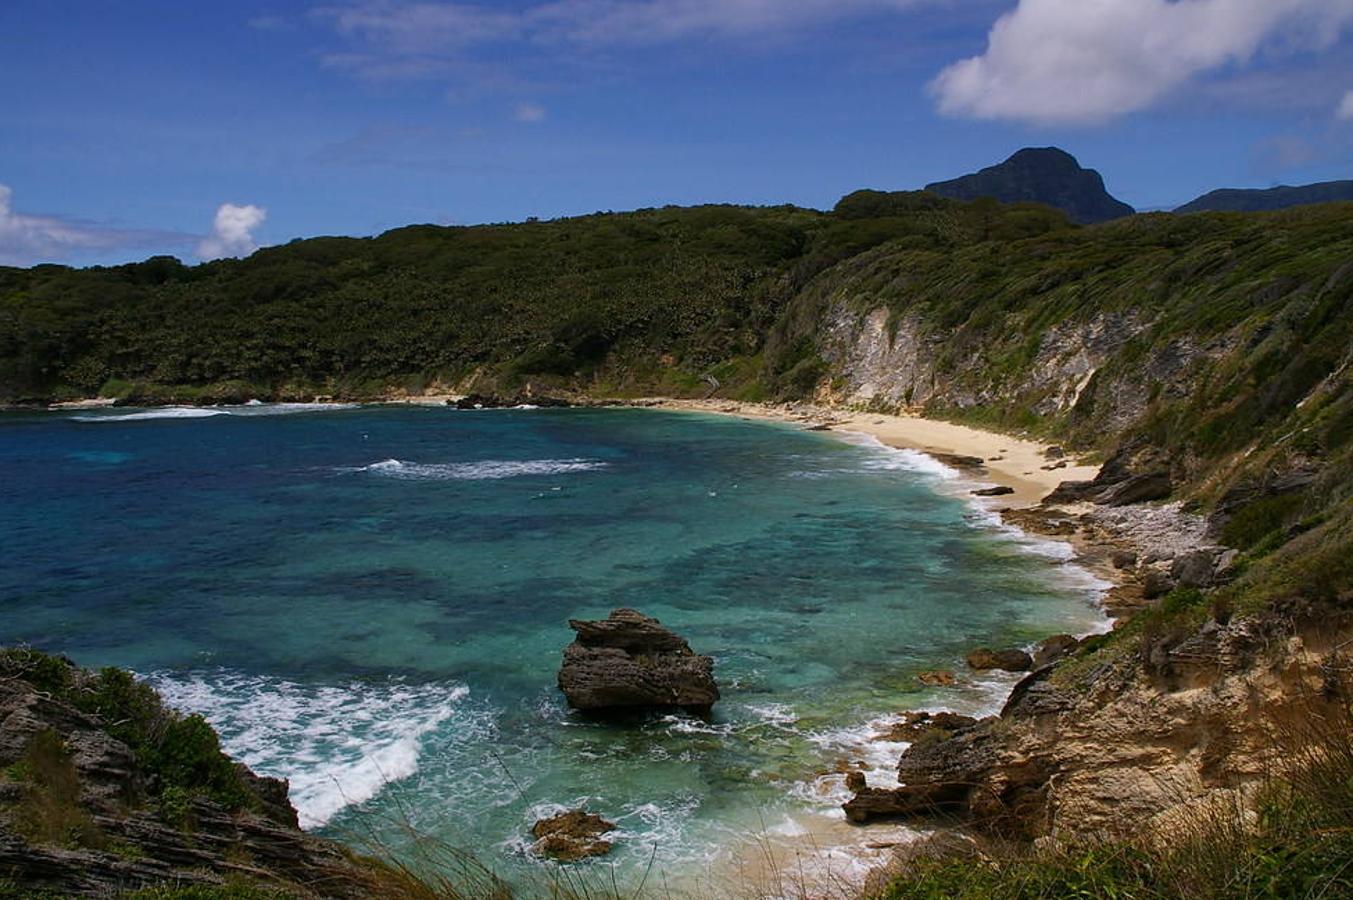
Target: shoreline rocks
493 401
1010 660
629 661
571 836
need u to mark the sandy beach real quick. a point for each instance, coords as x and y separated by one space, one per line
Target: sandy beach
1017 463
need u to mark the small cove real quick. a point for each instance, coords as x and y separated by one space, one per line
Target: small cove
371 602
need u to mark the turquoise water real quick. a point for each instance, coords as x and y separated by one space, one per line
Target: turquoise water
372 602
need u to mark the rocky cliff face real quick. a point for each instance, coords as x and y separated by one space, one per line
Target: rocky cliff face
1126 745
82 813
889 362
1040 175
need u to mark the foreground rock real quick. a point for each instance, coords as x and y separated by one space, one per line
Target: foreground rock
630 661
1130 743
82 813
940 761
571 836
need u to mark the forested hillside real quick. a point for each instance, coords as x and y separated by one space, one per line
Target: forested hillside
650 299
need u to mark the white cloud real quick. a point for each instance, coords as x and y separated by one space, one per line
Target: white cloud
1345 111
1086 61
26 239
529 113
399 38
232 231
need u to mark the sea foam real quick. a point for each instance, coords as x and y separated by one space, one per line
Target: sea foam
248 410
339 745
484 470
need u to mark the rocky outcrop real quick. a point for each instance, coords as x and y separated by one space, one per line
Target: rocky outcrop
571 836
1137 472
923 725
1051 649
494 401
936 775
1011 660
630 661
1121 745
1040 175
81 816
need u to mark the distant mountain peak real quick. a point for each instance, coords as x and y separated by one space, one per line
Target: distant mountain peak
1047 175
1262 200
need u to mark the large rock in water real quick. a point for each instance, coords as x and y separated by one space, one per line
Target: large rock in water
1040 175
571 836
630 661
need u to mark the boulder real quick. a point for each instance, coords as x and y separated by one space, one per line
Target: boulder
1137 489
1072 492
960 461
572 836
630 661
1049 650
887 803
936 678
1194 569
1124 559
1156 582
937 776
1011 660
1135 473
999 490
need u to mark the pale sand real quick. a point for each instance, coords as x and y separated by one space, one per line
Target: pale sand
1017 463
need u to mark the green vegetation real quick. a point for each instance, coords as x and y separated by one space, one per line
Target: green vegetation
179 755
49 811
613 298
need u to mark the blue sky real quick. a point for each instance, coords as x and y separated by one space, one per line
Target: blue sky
206 129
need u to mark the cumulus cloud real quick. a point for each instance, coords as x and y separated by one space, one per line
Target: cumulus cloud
232 231
1086 61
1345 111
26 239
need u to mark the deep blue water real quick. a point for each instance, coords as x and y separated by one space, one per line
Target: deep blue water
372 601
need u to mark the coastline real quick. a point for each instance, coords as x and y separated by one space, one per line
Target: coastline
1031 469
837 856
833 850
1024 466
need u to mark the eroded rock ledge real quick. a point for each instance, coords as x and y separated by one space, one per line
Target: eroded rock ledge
1110 744
83 813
